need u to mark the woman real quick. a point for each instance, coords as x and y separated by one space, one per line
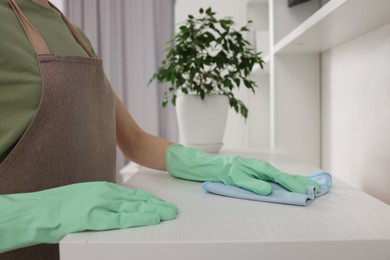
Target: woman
60 121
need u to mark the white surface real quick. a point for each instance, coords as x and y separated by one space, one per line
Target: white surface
258 14
59 4
258 119
297 105
262 42
129 170
335 23
294 86
356 106
211 148
345 224
286 19
257 125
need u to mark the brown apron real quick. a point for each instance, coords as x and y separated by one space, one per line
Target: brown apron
72 136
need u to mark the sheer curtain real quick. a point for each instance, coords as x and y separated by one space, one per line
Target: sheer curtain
129 36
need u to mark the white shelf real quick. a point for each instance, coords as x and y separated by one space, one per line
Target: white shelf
336 22
257 1
304 32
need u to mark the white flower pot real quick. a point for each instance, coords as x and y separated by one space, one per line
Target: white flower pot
202 122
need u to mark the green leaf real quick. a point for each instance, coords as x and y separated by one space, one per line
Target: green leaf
244 111
237 81
201 10
228 83
225 23
164 103
247 83
173 100
209 11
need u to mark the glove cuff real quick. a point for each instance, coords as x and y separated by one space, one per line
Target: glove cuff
193 164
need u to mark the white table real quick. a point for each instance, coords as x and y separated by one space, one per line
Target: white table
344 224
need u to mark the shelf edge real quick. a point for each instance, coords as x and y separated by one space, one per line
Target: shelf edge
317 17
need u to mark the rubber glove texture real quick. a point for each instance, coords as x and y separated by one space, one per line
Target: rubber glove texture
47 216
249 174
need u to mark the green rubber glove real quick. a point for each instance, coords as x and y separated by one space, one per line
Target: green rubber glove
249 174
47 216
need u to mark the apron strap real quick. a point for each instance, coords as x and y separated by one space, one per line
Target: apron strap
33 35
75 32
36 39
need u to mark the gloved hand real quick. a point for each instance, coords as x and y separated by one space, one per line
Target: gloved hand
47 216
249 174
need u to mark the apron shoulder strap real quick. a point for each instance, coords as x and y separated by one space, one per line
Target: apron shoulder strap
33 35
75 32
36 39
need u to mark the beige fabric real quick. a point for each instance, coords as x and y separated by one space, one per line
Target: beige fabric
75 32
71 138
33 35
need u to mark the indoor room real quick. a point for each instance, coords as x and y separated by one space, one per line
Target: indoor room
209 129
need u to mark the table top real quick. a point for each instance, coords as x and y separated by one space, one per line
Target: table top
344 224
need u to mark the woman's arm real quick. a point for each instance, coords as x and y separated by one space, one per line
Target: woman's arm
137 145
192 164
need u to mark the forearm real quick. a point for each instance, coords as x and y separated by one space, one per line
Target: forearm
147 150
137 145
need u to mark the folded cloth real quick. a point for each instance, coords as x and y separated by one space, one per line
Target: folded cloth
279 194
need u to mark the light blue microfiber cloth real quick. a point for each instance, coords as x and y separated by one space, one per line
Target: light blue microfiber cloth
279 194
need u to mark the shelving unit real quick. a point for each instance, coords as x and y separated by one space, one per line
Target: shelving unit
298 36
335 23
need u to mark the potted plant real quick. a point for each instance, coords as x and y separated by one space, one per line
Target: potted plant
206 61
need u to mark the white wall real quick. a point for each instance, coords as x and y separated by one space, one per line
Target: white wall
59 4
254 132
232 8
297 106
356 112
